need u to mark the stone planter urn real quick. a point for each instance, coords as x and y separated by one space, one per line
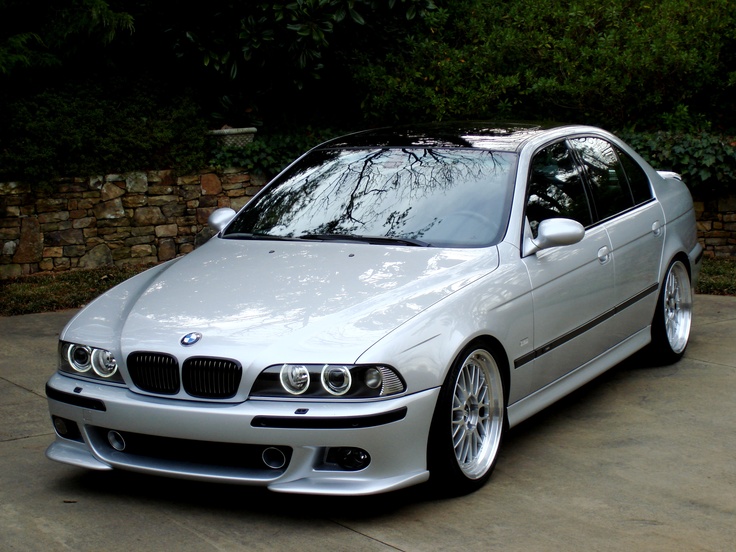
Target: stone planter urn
234 137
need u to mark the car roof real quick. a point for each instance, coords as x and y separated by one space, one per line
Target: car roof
476 134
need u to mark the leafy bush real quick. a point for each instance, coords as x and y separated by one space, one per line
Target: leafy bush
610 62
271 152
706 161
81 130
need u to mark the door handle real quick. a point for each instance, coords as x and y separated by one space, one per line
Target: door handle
657 228
604 254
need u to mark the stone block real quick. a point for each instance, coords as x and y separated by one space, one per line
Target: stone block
139 240
9 248
141 251
136 182
142 230
111 191
48 205
84 222
44 218
147 216
166 230
132 201
30 247
188 180
189 192
166 250
210 184
74 250
173 210
46 265
159 201
160 190
112 209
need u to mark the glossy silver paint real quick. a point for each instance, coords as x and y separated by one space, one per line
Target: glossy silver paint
562 307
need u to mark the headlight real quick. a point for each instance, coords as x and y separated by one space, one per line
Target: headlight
88 361
328 381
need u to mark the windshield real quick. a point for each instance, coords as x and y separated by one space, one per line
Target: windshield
413 196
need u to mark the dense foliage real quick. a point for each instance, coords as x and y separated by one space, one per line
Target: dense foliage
612 62
91 86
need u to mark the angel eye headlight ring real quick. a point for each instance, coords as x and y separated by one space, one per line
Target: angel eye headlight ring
336 379
295 378
79 358
104 363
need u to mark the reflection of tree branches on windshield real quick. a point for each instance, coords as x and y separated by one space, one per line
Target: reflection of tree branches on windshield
385 192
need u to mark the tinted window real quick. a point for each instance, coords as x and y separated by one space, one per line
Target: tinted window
638 179
445 197
556 188
607 178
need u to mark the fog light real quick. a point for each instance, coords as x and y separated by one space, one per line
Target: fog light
60 426
66 428
295 378
349 458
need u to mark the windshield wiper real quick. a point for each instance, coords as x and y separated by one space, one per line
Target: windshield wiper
247 236
377 240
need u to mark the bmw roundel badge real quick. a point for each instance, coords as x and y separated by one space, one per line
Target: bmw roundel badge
190 339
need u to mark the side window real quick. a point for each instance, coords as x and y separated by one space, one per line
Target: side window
556 188
611 194
638 179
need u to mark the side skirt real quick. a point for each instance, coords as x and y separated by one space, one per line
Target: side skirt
539 400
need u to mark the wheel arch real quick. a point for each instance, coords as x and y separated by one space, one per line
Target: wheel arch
495 346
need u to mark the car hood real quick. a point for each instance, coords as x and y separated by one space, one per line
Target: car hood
283 301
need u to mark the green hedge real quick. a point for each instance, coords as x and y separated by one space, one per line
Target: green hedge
706 161
90 128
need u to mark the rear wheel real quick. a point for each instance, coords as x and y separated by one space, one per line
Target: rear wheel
674 314
468 423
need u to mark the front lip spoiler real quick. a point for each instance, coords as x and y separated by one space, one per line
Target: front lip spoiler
355 422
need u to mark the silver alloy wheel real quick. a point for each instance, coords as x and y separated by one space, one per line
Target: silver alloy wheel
678 307
477 414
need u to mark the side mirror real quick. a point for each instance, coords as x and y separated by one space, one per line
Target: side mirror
220 218
553 233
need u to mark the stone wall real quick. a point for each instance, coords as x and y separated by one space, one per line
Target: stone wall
132 218
717 226
150 217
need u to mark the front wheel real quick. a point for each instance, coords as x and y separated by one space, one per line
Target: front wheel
673 317
468 423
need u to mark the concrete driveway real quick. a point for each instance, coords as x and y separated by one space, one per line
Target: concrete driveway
644 458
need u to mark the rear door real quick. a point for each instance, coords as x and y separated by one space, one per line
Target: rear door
624 205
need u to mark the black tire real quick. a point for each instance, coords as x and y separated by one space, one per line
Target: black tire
468 423
673 316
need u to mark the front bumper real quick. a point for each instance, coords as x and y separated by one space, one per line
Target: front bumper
224 442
